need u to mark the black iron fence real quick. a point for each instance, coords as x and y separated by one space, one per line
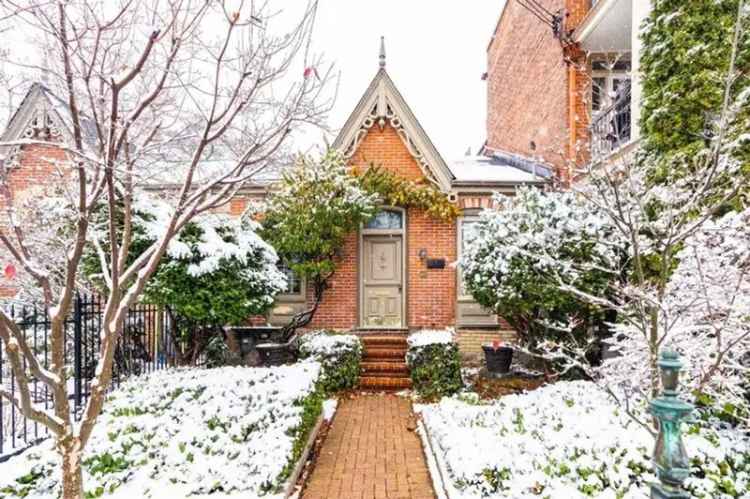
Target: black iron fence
610 129
146 345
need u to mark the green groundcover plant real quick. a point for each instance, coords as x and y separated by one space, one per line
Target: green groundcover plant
434 363
339 354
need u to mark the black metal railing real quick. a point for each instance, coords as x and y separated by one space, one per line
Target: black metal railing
610 128
146 345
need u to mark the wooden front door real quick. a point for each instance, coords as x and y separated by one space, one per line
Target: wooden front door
382 281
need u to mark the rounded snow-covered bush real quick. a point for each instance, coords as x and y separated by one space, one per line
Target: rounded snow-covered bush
434 363
218 270
339 354
526 248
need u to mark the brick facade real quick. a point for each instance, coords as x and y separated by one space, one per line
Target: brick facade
527 86
430 293
537 87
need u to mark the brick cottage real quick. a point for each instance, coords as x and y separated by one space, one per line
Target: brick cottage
395 274
398 272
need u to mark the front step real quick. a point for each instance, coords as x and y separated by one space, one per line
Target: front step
370 368
385 341
372 353
383 383
384 362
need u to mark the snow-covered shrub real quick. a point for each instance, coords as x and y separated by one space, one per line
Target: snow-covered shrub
434 363
570 440
177 433
525 247
217 272
339 355
318 204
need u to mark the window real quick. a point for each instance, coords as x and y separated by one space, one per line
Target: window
606 79
294 285
468 312
468 230
386 219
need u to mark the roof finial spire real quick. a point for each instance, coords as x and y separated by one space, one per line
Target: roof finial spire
382 52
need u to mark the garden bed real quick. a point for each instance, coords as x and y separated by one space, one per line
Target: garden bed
227 432
566 440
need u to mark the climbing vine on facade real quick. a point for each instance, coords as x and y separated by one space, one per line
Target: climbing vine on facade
687 51
398 191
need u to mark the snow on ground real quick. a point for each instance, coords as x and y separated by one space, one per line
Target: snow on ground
227 432
564 440
322 345
329 408
426 337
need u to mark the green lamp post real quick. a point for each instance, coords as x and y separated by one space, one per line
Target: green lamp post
670 457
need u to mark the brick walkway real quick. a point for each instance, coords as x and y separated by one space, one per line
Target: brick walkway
370 453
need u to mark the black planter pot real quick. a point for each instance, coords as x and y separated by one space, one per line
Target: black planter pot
498 359
275 354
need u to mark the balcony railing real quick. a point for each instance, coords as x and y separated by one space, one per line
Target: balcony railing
610 128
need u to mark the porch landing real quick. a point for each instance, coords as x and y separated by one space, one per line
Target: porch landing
371 452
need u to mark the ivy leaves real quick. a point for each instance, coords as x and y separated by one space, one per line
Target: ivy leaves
398 191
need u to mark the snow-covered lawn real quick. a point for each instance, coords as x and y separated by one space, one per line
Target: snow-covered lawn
228 432
567 440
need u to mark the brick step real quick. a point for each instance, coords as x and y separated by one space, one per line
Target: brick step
382 374
383 383
384 341
371 354
398 369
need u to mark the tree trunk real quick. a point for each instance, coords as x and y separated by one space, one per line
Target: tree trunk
72 476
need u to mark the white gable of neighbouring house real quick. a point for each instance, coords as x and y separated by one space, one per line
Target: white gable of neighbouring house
41 116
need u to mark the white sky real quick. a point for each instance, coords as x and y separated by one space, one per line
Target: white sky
436 54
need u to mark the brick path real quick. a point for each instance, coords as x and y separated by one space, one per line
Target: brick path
370 453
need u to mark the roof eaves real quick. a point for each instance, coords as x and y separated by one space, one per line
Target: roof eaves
527 165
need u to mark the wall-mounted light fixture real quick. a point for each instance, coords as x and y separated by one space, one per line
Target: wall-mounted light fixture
422 254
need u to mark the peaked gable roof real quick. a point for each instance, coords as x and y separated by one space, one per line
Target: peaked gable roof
43 116
383 104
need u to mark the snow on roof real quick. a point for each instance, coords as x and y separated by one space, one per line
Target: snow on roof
491 169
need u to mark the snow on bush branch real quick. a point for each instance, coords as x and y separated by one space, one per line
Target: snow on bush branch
530 243
705 314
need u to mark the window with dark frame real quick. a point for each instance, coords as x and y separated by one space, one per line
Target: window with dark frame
293 281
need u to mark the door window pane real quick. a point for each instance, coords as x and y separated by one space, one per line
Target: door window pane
386 219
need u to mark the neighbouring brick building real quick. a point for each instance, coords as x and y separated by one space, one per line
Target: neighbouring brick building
561 77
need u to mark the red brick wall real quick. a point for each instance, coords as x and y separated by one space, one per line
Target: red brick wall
384 148
339 307
431 292
529 87
38 172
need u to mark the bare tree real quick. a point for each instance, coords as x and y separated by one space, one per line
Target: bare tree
193 95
